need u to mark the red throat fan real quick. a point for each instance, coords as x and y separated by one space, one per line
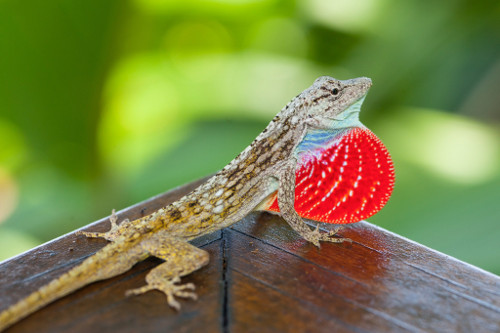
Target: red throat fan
348 181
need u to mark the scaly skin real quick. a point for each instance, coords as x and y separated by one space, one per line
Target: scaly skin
266 166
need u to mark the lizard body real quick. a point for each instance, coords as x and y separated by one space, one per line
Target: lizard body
262 177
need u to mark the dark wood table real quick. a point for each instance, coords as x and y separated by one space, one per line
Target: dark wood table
263 278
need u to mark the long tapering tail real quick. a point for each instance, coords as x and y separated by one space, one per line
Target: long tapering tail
106 263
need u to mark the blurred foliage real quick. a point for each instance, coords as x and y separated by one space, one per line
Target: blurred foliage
105 103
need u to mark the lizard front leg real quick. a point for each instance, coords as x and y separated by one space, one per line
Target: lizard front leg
181 258
111 235
286 202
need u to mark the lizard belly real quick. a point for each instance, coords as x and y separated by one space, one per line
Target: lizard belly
348 178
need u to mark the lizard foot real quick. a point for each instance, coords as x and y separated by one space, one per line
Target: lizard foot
109 235
316 236
170 288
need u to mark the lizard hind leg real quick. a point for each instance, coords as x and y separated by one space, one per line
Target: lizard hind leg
181 258
110 235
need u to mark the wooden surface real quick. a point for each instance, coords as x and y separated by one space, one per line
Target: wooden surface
263 278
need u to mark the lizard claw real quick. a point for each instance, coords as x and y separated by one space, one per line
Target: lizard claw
316 236
170 288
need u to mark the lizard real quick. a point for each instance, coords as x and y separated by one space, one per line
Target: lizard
314 160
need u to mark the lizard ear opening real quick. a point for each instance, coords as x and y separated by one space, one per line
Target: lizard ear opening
348 181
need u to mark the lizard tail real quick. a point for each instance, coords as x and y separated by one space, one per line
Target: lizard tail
104 264
60 287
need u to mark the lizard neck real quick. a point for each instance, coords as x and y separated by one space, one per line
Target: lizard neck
317 138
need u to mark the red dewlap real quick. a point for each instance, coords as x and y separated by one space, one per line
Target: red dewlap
348 181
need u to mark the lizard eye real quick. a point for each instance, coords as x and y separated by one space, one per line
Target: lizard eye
335 91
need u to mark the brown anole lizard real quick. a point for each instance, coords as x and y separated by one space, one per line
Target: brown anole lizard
314 160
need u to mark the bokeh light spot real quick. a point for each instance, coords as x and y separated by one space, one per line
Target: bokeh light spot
13 149
141 111
9 194
346 15
456 148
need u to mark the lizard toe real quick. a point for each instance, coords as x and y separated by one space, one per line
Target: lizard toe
171 290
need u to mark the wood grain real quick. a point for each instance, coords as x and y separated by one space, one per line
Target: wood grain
263 278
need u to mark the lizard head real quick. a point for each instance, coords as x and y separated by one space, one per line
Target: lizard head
334 100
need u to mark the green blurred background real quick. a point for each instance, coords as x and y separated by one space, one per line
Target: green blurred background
106 103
